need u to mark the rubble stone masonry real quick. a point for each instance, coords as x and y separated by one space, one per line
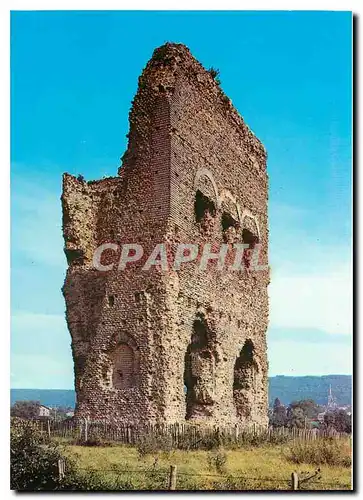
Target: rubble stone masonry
170 346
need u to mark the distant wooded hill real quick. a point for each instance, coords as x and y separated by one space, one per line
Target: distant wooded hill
287 389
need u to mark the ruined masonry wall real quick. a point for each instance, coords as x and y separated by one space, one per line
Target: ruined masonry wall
139 337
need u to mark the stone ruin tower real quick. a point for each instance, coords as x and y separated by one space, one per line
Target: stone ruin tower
178 345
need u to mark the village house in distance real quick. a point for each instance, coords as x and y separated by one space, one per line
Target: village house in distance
176 345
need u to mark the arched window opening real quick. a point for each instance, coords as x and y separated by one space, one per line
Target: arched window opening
251 240
74 256
123 376
204 207
248 237
229 227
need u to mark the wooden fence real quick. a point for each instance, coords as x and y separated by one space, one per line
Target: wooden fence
178 435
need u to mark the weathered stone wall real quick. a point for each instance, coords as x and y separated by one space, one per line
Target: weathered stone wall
193 173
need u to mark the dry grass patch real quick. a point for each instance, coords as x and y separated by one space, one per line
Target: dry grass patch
334 452
264 468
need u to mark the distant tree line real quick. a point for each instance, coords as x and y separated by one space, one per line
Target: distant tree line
304 414
299 414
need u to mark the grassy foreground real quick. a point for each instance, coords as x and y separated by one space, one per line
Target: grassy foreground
266 467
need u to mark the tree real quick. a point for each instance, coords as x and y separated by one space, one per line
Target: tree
339 420
343 421
278 417
25 409
296 417
34 465
329 419
308 406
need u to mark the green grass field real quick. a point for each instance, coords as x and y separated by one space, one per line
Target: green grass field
261 468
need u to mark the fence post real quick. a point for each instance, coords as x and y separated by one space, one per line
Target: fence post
48 428
294 481
172 477
86 430
61 469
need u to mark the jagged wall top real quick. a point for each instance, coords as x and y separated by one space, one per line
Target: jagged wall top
167 65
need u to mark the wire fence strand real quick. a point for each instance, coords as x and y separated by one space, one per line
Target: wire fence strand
262 479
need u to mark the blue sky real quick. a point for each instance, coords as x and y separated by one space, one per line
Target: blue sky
73 76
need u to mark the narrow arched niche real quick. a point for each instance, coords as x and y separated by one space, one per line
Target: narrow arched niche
244 380
199 338
124 367
199 371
